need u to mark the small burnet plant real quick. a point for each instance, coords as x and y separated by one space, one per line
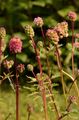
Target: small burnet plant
38 21
15 45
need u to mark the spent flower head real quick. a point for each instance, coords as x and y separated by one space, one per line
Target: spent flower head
20 68
2 32
72 99
52 34
8 63
15 45
29 30
72 16
38 22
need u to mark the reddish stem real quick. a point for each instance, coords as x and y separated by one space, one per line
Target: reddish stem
40 82
73 72
17 91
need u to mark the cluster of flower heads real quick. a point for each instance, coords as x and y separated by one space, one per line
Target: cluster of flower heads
58 32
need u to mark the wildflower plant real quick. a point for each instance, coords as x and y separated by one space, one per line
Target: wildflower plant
49 45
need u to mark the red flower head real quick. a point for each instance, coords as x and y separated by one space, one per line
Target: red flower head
15 45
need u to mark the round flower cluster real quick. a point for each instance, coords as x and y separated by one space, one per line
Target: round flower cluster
2 32
15 45
38 22
72 16
20 68
29 30
52 34
62 29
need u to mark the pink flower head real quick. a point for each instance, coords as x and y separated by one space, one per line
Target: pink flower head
15 45
62 29
72 16
52 34
38 21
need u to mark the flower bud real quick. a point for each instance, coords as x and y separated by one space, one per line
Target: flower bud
38 22
2 32
40 44
15 45
29 30
30 67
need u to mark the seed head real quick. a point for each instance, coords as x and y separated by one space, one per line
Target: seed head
52 34
72 16
29 30
15 45
38 22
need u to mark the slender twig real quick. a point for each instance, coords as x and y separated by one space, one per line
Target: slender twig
73 72
17 90
60 69
47 60
8 116
28 116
